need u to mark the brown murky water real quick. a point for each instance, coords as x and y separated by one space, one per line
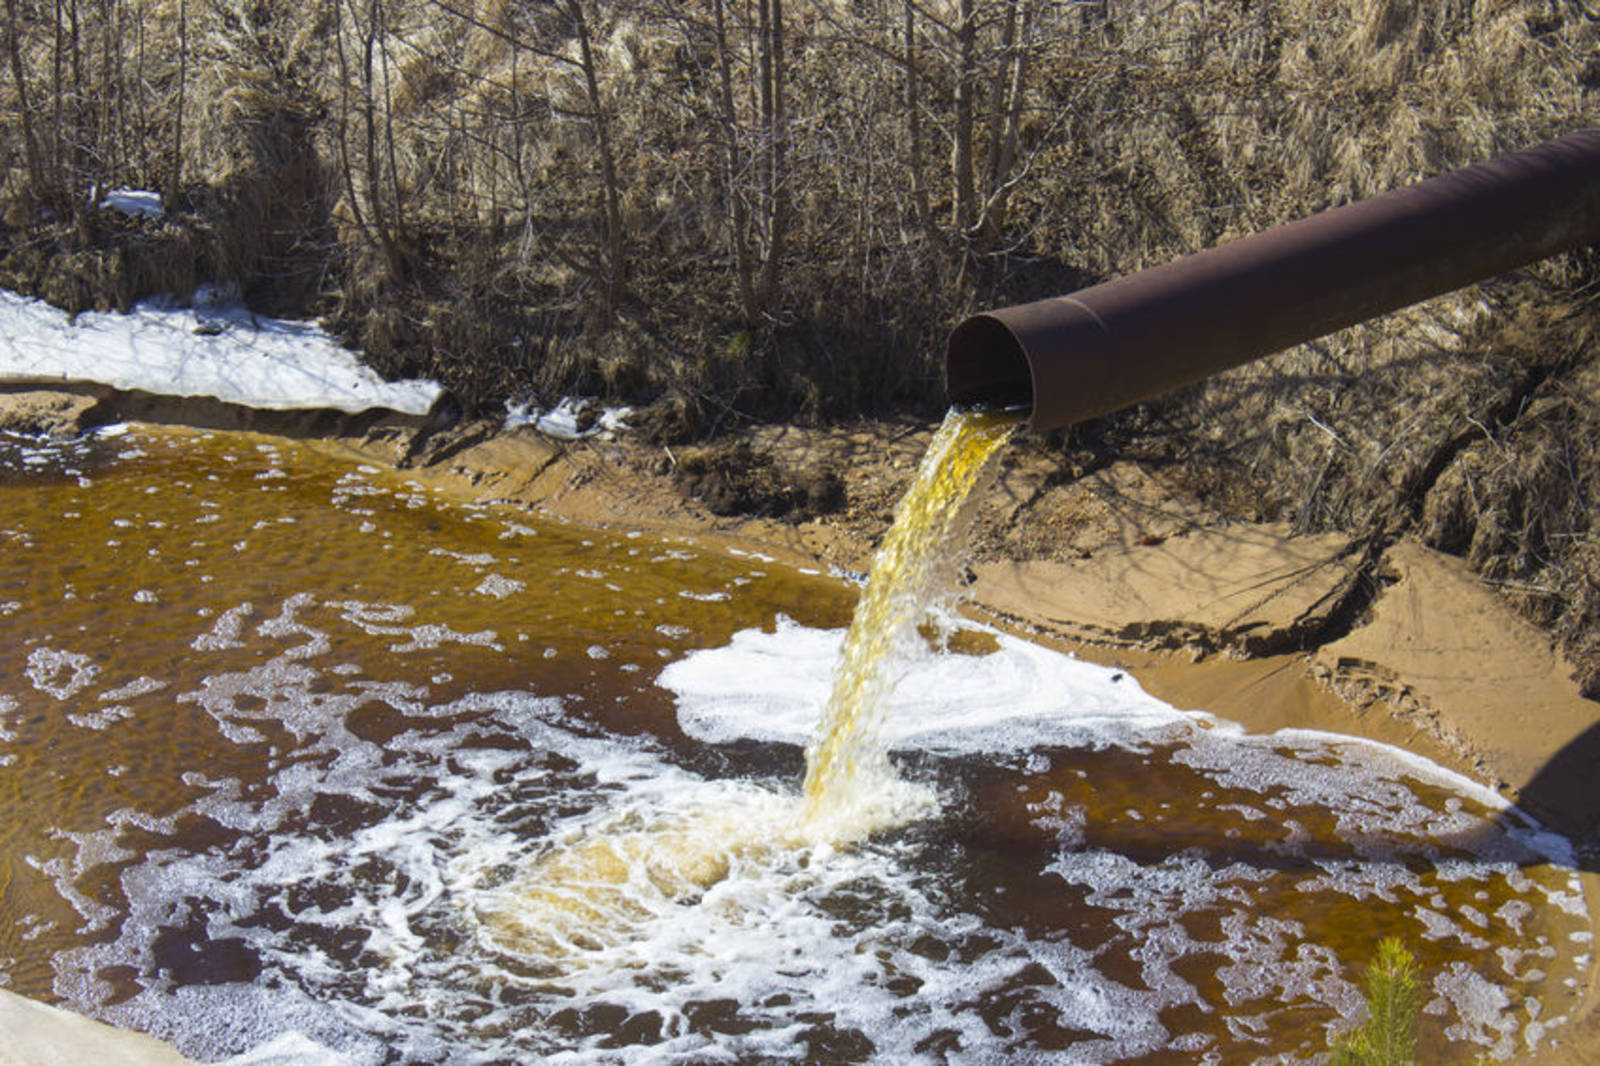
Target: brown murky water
279 735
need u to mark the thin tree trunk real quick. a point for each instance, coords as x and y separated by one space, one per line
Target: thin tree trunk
383 220
764 109
396 190
611 196
114 168
1006 122
739 217
59 93
518 172
966 87
998 94
913 105
342 128
30 142
175 170
78 127
141 108
777 161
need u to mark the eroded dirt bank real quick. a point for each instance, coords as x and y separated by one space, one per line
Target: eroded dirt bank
1249 620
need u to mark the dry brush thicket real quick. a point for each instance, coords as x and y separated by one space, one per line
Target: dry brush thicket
767 209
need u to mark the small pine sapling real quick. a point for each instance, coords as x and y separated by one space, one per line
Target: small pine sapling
1394 998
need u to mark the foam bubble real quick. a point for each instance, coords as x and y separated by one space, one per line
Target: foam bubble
62 674
499 587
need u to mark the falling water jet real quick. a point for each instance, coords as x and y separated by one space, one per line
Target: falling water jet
596 891
849 787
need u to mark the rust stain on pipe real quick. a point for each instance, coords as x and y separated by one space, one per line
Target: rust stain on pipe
1102 348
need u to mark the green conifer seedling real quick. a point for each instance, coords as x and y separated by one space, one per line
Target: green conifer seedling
1394 998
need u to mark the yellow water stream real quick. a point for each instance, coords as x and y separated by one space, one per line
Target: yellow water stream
846 765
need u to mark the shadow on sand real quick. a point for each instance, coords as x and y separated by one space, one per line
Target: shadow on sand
1565 796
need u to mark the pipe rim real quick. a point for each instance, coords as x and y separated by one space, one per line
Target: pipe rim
986 365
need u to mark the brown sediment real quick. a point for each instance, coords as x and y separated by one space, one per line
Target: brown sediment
1251 589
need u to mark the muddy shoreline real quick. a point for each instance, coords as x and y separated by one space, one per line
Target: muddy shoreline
1245 620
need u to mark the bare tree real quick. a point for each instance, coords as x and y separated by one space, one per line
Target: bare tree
775 123
753 145
616 258
39 189
965 31
174 182
375 203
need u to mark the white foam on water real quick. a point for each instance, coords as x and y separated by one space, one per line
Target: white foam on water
60 673
291 1049
1484 1011
499 587
350 927
390 929
774 685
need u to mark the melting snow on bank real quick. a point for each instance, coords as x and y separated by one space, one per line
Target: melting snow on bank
214 348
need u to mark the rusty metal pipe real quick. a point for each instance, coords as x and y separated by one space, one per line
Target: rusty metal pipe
1102 348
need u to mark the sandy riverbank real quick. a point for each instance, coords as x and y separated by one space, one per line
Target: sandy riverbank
1246 620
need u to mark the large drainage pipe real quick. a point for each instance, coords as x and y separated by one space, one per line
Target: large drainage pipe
1102 348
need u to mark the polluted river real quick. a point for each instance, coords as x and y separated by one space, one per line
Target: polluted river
305 762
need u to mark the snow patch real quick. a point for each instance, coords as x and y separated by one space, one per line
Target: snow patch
216 349
570 419
136 203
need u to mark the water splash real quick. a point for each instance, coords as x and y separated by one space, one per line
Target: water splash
609 886
850 787
593 891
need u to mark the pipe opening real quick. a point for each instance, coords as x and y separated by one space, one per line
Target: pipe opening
985 365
